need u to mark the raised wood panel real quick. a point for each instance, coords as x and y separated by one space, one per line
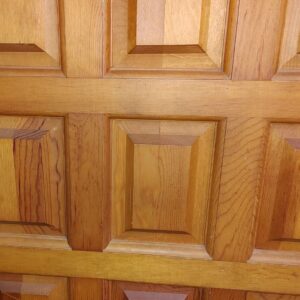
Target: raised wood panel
32 198
289 59
115 290
34 39
28 287
161 185
145 39
279 218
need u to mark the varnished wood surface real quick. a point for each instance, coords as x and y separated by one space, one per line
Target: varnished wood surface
221 99
162 270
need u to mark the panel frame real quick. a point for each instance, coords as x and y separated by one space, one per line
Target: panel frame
134 64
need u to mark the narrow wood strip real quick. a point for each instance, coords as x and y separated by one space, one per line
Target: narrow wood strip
131 267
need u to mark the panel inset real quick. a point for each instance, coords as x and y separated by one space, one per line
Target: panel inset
289 59
132 291
32 185
29 36
29 287
167 35
279 220
161 182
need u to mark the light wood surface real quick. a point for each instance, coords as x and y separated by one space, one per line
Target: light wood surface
162 270
208 99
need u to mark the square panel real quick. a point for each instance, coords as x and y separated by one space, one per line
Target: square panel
117 290
145 38
279 220
289 58
29 37
30 287
161 184
32 185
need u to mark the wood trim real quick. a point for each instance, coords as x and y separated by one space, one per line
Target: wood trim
162 270
207 99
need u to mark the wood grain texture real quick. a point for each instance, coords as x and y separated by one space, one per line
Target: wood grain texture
86 164
40 29
258 39
164 29
130 23
86 289
9 202
231 236
279 212
270 278
207 98
161 181
33 151
82 40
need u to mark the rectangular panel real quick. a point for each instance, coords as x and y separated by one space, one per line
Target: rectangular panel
30 35
279 220
161 184
30 287
144 37
32 197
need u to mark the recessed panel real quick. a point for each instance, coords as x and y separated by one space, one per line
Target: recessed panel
30 287
32 185
173 36
279 221
161 180
29 36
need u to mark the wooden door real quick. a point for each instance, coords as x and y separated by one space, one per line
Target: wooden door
149 150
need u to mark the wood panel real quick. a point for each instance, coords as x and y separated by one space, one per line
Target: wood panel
259 296
161 182
33 42
33 193
289 59
130 291
28 287
258 38
278 223
138 45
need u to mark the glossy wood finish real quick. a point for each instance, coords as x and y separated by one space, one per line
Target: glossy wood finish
132 157
33 158
27 287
